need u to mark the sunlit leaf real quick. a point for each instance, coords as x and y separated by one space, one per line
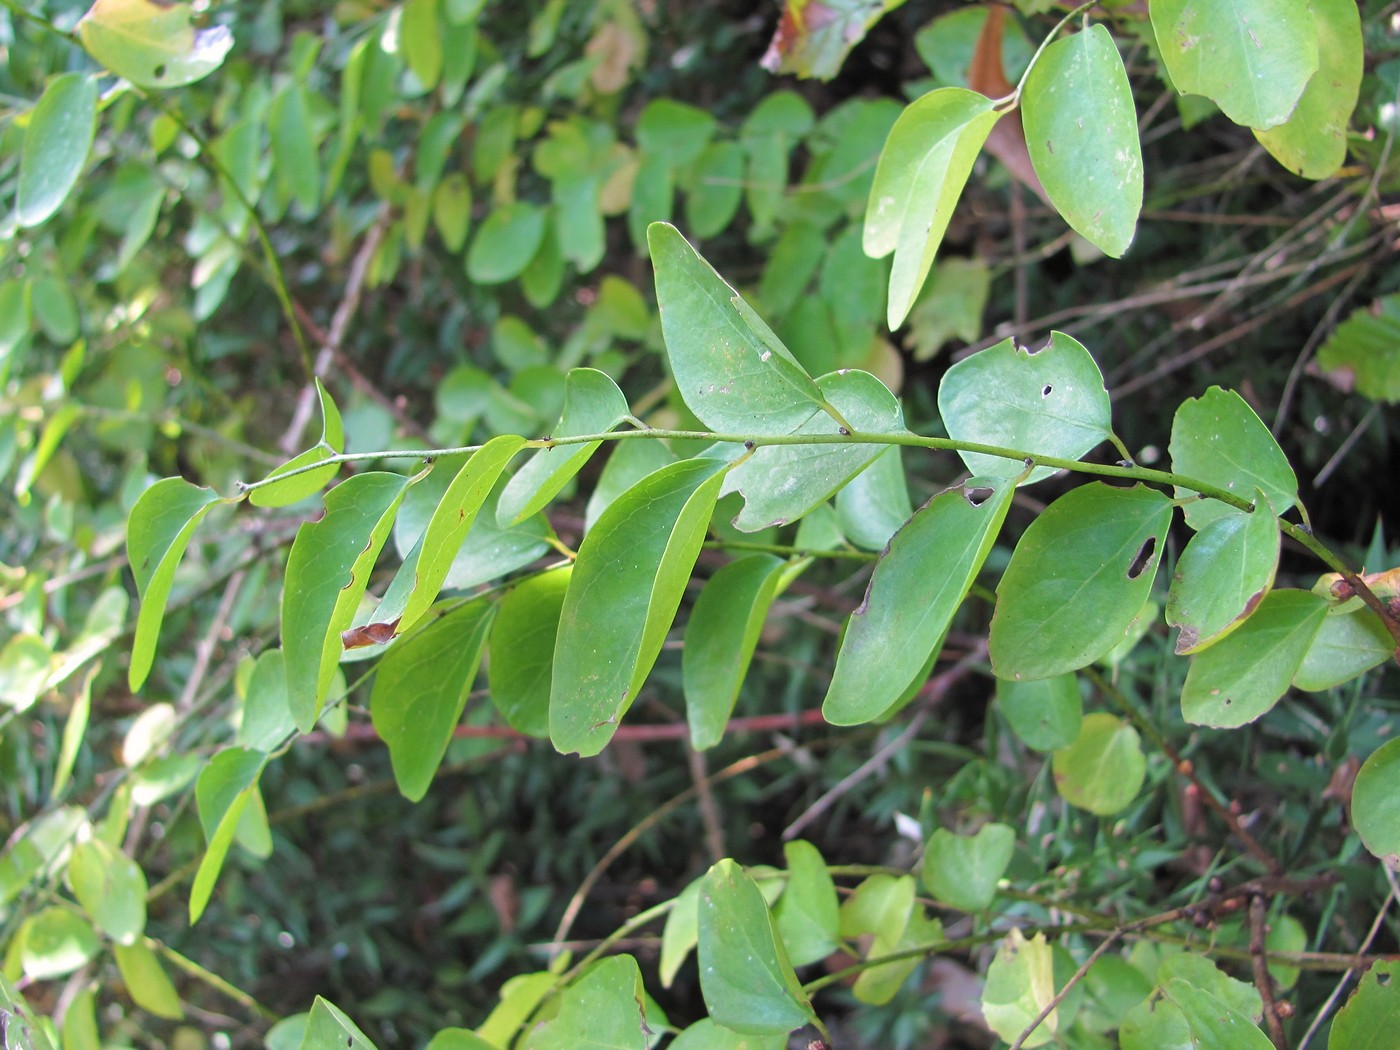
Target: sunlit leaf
56 145
327 1028
603 1010
111 888
1081 130
55 942
146 981
152 43
919 583
1050 402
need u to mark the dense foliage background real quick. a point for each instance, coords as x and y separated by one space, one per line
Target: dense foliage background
438 208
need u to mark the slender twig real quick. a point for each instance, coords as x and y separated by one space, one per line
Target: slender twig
705 803
1049 1008
1263 980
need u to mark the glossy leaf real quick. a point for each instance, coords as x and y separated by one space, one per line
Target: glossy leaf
111 888
781 483
505 243
56 145
1252 58
450 522
730 369
225 787
1020 983
592 405
807 915
918 585
1103 770
1346 645
627 583
1241 677
1081 130
1077 580
745 976
526 625
55 942
327 1028
963 870
1369 1018
1048 402
327 572
874 505
603 1010
1217 439
151 43
720 638
1223 575
1375 806
1045 713
158 531
1312 142
146 981
920 176
420 690
297 488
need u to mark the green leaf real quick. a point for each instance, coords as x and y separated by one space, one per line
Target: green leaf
79 1025
448 527
295 489
673 131
1081 130
1240 678
1045 713
745 977
1077 580
420 690
681 932
505 243
459 1039
420 37
26 664
953 305
1190 1017
1375 805
1346 645
152 43
881 905
730 369
452 210
1217 439
1048 402
1103 770
267 717
1252 58
294 155
222 793
963 870
604 1010
704 1034
157 533
627 583
146 981
814 37
874 505
56 145
592 405
1021 983
716 186
720 638
520 995
878 984
1224 573
327 1028
54 943
1371 1015
922 170
781 483
327 572
1365 348
1313 141
526 626
807 915
111 888
918 585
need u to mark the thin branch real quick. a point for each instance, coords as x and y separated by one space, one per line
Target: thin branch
1263 980
1049 1008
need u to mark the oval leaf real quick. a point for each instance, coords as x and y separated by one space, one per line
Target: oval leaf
111 888
1048 402
56 146
1252 58
745 976
1103 769
807 915
963 870
1370 1017
151 43
222 793
1021 983
603 1010
420 689
627 583
146 981
527 625
918 584
1313 141
1218 439
1077 579
1081 130
1223 575
1045 713
1347 644
1375 805
1240 678
505 243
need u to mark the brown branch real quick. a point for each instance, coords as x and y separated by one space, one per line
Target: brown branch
1264 980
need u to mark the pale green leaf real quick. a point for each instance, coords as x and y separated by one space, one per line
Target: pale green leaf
1020 983
294 489
55 942
603 1010
874 505
1346 645
146 981
526 625
111 888
294 155
1371 1015
505 243
222 792
327 1028
704 1034
1365 350
1375 804
420 38
963 870
807 915
1222 576
56 145
151 43
1103 770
